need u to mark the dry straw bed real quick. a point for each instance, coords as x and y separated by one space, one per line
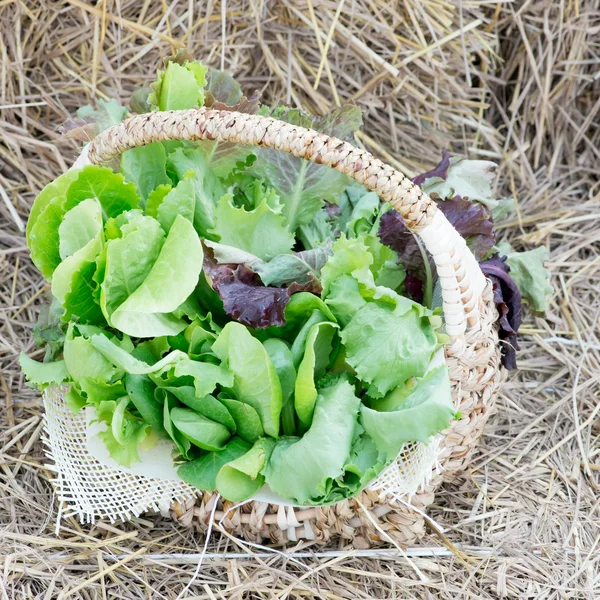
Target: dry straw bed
515 82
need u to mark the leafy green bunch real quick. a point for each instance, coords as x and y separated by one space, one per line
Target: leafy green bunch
236 301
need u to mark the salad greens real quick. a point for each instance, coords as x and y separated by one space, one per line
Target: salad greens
270 318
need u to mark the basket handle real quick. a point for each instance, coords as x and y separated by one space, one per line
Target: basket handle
461 279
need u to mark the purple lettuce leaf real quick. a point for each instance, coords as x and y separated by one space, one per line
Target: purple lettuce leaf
472 222
244 296
440 171
507 298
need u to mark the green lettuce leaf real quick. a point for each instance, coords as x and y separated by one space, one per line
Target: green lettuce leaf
207 406
529 273
344 298
128 261
239 479
140 390
299 267
303 469
302 185
317 354
181 442
386 345
43 374
56 192
283 361
199 430
110 189
180 200
255 378
80 241
82 359
146 168
350 257
206 375
124 434
247 421
202 472
261 232
207 185
122 358
179 86
80 303
173 277
425 412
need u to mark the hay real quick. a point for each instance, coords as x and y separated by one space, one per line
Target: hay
516 82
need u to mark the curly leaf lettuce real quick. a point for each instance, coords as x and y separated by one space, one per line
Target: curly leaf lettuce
261 231
427 410
386 345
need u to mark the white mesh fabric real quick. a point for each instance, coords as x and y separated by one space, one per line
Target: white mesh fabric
89 489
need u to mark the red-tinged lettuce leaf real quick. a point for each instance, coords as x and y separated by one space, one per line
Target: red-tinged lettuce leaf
413 288
244 296
507 298
440 171
222 87
472 222
460 176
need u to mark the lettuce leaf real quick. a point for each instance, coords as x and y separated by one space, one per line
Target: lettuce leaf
239 479
128 261
180 200
317 354
247 421
179 86
146 167
91 121
208 186
255 378
124 433
202 472
507 299
80 241
172 278
202 432
426 411
529 273
207 406
302 469
261 231
244 297
302 185
386 345
299 267
43 374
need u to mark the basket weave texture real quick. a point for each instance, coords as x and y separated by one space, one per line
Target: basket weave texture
473 355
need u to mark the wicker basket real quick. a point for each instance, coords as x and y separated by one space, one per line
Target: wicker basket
473 356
